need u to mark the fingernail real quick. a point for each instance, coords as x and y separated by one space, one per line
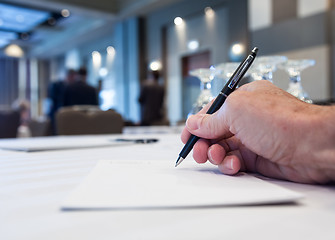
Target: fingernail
228 164
194 121
210 155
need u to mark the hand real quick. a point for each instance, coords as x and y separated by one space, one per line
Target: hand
261 128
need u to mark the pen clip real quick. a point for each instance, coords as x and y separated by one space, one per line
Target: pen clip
240 72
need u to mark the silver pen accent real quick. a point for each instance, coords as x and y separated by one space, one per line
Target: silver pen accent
237 77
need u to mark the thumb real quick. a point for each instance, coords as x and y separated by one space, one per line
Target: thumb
208 126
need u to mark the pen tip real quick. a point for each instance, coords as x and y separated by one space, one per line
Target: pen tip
179 160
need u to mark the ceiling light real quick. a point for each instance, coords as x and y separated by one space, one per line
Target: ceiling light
52 21
14 50
209 12
193 45
178 21
65 13
237 49
155 66
96 58
24 36
103 72
95 54
111 50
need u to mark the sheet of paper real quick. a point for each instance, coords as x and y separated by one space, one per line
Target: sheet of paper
58 143
124 184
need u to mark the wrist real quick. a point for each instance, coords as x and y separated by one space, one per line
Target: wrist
327 135
319 144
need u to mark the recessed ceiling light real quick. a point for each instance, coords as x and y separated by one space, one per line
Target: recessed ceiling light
65 13
14 50
96 58
237 49
103 72
193 45
51 21
111 50
155 66
209 12
24 36
178 21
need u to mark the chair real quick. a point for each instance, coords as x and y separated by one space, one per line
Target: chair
9 123
86 119
39 127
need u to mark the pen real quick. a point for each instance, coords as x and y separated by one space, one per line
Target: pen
220 99
138 140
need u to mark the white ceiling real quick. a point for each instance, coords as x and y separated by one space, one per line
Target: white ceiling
88 20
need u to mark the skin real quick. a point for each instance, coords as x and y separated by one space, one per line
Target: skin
261 128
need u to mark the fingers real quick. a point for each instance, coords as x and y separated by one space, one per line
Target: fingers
216 153
235 161
200 151
208 126
232 163
185 135
231 157
204 150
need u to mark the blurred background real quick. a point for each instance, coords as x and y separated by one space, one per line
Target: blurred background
119 41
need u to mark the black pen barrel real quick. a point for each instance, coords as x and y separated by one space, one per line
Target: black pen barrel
218 102
193 139
188 146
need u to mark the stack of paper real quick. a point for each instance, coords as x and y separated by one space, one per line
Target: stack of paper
158 184
57 143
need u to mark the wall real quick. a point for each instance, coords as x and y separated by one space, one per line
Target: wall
157 20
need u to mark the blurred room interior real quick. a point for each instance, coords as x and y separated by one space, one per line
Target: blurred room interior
119 41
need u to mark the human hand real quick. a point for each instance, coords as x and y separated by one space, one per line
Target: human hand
261 128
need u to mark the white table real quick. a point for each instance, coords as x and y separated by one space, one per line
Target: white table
33 185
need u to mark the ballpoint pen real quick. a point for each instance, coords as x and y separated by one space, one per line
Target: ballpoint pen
220 99
137 140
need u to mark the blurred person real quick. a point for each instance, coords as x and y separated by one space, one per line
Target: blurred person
261 128
99 89
56 93
151 100
79 92
23 108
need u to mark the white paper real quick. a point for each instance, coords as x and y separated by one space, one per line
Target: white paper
57 143
158 184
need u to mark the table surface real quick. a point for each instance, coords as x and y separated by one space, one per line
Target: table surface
33 185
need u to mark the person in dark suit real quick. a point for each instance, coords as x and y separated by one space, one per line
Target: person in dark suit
151 101
56 93
79 92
